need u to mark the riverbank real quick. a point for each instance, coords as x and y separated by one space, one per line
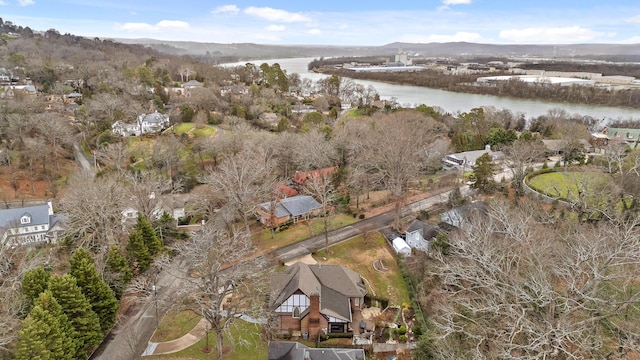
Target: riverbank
579 95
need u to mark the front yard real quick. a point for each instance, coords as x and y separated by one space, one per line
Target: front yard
373 259
264 240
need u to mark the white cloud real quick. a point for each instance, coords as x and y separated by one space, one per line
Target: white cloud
276 28
271 14
570 34
226 9
25 2
459 36
313 32
447 3
160 26
455 2
635 19
3 3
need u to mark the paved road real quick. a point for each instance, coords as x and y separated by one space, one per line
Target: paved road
130 339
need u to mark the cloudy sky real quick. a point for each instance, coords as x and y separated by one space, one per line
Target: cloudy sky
330 22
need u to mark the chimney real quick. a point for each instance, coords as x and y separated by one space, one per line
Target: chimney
314 316
50 204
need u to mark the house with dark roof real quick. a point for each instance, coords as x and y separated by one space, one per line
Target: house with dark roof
420 234
290 209
291 350
308 300
456 217
30 225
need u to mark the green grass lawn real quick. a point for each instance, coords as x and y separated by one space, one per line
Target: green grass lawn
195 129
175 324
358 254
298 232
244 344
567 185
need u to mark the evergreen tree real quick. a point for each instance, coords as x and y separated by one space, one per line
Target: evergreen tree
138 251
117 271
46 332
75 305
102 299
151 240
483 173
34 282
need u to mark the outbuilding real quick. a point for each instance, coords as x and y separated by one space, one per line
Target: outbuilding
401 247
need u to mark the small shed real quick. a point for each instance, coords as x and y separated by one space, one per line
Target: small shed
401 246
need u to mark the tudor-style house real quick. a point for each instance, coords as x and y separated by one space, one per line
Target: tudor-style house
29 225
308 300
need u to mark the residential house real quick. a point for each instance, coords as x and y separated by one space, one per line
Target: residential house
291 350
556 147
234 90
191 84
269 118
420 234
30 225
145 124
308 300
467 159
301 177
456 217
623 136
290 209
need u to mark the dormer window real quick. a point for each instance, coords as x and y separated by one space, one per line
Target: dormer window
26 219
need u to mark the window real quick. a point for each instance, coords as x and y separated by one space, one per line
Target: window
296 312
357 301
25 219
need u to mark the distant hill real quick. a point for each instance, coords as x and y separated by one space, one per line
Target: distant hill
623 52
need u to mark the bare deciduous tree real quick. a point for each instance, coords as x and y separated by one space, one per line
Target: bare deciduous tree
223 292
93 206
244 180
322 188
519 155
512 287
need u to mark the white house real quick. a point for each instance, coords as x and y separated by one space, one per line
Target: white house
419 235
145 124
401 247
29 225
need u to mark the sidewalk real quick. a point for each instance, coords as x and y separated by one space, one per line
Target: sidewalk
169 347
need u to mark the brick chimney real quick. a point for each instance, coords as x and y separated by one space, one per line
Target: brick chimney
314 316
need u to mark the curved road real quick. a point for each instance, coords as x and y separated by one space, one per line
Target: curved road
129 340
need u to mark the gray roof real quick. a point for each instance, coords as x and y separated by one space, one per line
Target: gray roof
334 283
427 230
457 216
294 206
155 117
10 218
289 350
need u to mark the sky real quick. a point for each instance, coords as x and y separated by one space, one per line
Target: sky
331 22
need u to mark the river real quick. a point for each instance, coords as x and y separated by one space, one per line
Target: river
454 102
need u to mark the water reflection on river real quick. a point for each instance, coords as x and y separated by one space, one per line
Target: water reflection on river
453 102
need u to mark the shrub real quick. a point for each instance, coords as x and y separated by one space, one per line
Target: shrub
417 330
402 330
361 216
403 338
